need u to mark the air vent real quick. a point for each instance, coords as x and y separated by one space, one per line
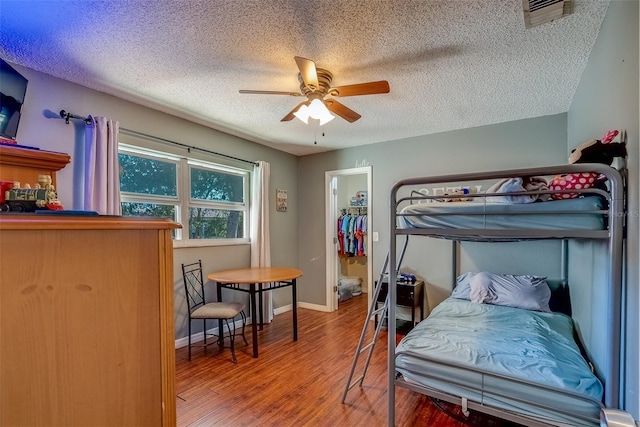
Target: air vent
537 12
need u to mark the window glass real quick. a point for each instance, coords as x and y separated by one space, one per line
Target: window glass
207 223
147 176
207 184
149 209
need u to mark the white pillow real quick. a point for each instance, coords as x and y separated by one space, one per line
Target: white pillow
462 289
524 291
481 290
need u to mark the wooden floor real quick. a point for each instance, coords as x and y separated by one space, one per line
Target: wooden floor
299 383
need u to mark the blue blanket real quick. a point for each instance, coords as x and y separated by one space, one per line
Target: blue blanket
533 346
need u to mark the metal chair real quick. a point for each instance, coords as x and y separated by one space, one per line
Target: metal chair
199 309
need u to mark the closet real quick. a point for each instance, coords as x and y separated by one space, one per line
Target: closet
352 235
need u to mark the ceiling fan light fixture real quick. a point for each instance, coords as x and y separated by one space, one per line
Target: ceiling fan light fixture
317 110
303 114
326 119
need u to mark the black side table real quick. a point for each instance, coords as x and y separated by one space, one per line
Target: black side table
409 295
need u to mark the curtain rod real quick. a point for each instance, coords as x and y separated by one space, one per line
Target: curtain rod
188 147
66 115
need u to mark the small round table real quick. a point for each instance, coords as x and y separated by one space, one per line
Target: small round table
259 280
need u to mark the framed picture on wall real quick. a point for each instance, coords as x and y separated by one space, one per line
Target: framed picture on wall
281 200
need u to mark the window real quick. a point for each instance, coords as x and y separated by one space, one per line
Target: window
208 199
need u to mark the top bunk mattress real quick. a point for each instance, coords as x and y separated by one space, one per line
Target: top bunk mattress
583 213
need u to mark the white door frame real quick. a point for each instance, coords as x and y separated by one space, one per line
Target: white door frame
331 216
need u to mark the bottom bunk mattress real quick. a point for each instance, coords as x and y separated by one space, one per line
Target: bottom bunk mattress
521 361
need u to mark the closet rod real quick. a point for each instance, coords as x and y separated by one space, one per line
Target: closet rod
66 115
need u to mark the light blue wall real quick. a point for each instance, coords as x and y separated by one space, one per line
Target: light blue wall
524 143
607 98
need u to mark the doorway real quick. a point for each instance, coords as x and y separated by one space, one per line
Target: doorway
348 193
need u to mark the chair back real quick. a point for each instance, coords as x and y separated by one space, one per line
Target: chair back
193 284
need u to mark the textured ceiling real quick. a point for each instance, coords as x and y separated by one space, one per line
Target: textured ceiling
450 64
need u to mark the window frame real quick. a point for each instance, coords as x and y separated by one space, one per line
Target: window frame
183 201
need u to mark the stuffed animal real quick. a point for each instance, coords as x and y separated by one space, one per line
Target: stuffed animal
602 151
573 181
461 192
599 151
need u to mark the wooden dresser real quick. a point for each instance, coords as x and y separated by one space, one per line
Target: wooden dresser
86 321
86 313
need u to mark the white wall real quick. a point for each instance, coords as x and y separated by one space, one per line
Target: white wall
42 127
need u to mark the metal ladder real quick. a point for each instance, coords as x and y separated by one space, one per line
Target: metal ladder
373 311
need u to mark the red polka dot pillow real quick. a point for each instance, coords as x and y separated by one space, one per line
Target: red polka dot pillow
572 181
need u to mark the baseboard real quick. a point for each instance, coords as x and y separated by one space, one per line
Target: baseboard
315 307
289 307
282 309
184 341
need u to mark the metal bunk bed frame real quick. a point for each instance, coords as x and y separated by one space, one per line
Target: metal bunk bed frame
613 233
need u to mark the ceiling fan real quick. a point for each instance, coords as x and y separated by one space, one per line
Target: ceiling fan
315 84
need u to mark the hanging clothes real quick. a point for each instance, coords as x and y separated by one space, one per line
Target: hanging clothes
352 234
342 243
361 230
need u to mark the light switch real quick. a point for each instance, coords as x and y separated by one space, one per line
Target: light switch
375 236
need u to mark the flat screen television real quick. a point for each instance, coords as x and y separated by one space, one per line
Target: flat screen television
13 88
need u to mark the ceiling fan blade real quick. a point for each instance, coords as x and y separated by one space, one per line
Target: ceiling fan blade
290 116
270 92
308 71
341 110
370 88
